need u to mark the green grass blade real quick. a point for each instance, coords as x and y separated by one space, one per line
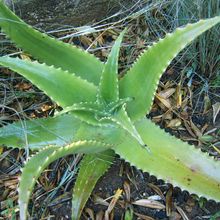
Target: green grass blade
142 79
41 160
172 160
61 86
48 50
92 167
39 133
108 88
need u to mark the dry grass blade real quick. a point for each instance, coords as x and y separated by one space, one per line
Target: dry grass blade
113 203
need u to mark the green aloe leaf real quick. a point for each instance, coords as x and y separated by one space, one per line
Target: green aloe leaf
172 160
122 119
49 50
108 88
93 107
92 167
39 133
142 79
88 112
42 159
53 82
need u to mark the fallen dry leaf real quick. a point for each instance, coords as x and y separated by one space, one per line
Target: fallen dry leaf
100 215
98 200
23 86
166 93
207 104
149 204
181 212
113 203
157 190
90 213
178 96
127 191
174 123
25 57
165 102
144 217
196 130
216 110
175 216
169 201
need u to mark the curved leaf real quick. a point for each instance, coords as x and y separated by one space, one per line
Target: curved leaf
122 119
61 86
142 79
93 107
92 167
108 87
172 160
49 50
42 159
40 133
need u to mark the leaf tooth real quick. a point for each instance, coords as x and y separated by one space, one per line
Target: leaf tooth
170 181
61 43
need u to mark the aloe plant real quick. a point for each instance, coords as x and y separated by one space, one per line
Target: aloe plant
102 115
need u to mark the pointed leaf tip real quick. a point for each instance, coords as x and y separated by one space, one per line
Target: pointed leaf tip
37 163
48 49
142 79
108 87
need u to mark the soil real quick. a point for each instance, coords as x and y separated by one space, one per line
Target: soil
138 181
66 13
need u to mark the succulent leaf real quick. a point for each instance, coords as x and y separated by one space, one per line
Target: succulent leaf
142 79
108 87
113 106
92 167
40 133
172 160
107 134
89 112
122 119
50 50
74 86
56 83
42 159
